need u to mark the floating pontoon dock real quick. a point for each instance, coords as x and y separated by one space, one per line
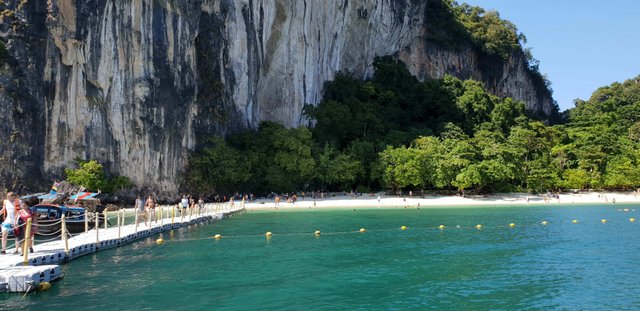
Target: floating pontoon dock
27 273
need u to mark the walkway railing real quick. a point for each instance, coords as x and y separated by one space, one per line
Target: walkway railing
152 218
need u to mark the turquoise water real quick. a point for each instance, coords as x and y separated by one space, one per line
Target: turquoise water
588 265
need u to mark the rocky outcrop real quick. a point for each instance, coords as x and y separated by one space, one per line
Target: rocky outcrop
137 84
504 78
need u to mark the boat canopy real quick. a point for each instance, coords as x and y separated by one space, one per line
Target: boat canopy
84 195
51 195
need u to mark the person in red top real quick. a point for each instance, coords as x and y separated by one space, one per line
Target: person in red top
22 217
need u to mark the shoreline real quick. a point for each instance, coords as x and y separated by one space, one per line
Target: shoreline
432 201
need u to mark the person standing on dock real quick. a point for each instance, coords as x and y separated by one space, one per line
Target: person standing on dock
140 210
24 214
192 202
201 203
151 209
9 207
185 204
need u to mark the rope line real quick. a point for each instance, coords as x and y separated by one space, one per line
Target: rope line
51 234
48 225
406 228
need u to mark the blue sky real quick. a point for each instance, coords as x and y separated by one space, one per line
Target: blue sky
581 44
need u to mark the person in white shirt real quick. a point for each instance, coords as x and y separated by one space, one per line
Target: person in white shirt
9 207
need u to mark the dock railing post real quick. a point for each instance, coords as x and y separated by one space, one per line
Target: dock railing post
26 243
63 232
161 222
136 226
106 219
86 221
173 214
119 222
97 215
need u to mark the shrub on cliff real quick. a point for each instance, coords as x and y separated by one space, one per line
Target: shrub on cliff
90 175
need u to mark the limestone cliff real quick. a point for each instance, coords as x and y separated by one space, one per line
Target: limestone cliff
137 84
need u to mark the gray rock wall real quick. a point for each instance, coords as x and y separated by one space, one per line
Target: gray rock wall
137 84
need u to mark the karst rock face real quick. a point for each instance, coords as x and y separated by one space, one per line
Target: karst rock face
138 84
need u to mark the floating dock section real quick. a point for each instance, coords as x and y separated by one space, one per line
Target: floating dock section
36 270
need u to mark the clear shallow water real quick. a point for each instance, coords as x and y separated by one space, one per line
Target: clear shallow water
589 265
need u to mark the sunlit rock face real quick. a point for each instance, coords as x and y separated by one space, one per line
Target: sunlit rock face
138 84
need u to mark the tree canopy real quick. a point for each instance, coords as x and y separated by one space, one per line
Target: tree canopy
395 132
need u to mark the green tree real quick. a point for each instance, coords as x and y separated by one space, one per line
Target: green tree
338 169
622 172
217 168
89 174
469 176
576 179
402 167
475 103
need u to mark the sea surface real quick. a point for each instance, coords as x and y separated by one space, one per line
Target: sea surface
561 265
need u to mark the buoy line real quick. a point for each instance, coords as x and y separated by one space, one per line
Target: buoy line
319 233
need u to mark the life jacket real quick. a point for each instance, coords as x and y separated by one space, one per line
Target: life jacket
25 215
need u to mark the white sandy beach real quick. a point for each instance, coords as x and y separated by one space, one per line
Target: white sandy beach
387 201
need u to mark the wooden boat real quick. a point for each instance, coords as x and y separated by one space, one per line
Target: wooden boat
49 216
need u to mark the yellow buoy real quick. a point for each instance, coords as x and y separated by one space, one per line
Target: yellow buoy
575 221
44 286
544 222
632 219
604 221
363 230
478 227
317 232
441 227
217 237
403 228
512 225
268 233
160 241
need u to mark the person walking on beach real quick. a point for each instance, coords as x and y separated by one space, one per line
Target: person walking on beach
140 210
24 214
277 200
9 207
